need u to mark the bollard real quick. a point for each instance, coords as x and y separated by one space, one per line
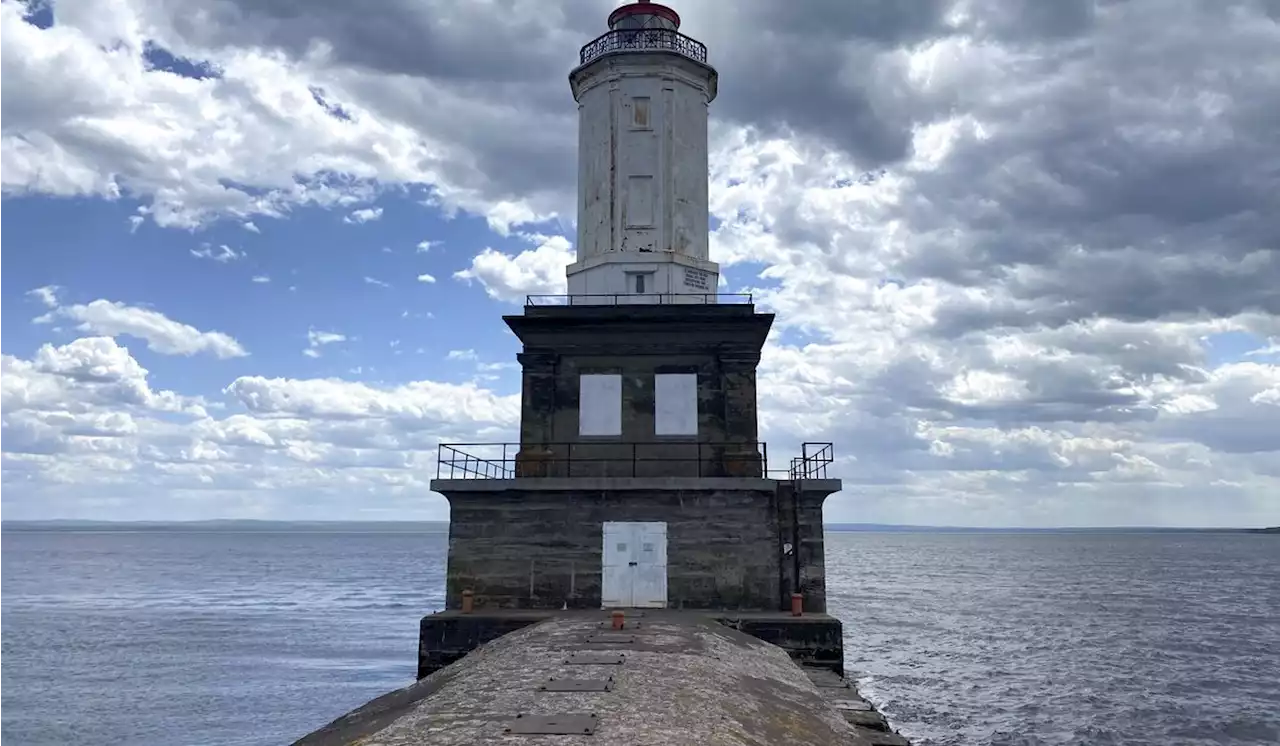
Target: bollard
797 604
617 619
468 599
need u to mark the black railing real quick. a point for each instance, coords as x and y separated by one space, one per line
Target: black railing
622 299
601 459
633 40
626 459
813 461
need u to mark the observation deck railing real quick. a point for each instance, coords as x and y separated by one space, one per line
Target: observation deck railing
642 40
674 458
622 299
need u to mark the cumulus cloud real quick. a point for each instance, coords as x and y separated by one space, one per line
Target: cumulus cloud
162 334
363 215
510 278
81 418
429 279
409 406
79 376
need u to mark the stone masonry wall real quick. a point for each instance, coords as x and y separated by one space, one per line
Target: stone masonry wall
719 344
542 549
800 523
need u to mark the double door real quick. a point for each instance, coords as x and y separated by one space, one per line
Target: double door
634 572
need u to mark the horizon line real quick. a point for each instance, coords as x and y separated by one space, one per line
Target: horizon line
833 525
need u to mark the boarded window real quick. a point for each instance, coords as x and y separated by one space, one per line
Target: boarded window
600 405
675 397
640 113
639 202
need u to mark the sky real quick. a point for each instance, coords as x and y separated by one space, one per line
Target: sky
1024 256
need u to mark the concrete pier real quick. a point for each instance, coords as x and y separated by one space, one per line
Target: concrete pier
667 678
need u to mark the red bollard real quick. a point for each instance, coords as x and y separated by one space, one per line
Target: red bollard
617 619
797 604
468 600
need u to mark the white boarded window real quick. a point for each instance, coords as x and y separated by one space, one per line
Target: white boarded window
639 202
600 405
675 398
640 113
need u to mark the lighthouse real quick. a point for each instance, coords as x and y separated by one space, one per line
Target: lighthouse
643 91
639 480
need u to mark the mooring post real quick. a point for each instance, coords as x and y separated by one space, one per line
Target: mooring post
618 618
797 604
468 601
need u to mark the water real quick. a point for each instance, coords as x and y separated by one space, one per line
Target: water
206 637
256 638
1065 638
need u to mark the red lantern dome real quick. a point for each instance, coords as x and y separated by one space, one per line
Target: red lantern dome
642 15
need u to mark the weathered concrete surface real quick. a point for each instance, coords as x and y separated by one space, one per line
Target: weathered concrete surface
642 156
812 640
685 680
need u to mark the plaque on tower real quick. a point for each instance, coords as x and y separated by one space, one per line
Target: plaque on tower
697 279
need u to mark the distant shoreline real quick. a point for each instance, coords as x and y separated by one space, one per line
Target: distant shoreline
410 526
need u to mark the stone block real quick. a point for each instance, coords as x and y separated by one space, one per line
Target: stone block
866 719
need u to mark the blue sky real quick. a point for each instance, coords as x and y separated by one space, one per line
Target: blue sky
991 293
323 273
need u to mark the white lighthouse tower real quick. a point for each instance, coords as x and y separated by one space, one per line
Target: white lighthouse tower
643 90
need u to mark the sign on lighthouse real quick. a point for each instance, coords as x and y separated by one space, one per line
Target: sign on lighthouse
643 91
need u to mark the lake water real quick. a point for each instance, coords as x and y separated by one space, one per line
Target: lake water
222 637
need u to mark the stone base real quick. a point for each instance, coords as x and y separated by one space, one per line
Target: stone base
446 636
812 640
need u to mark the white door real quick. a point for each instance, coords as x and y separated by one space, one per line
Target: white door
615 576
634 565
649 574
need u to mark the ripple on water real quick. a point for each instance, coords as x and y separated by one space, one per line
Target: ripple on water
1063 638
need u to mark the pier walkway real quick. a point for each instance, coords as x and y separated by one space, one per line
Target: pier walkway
668 678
